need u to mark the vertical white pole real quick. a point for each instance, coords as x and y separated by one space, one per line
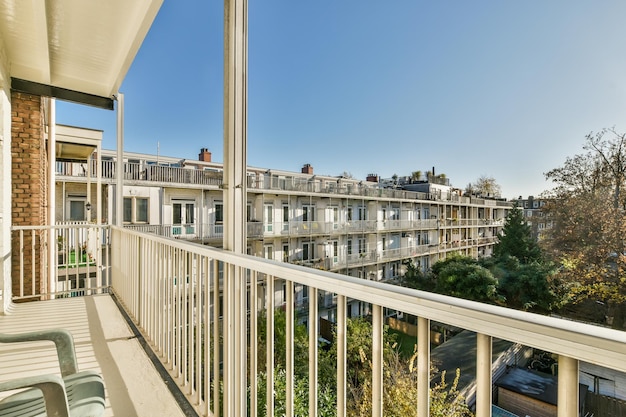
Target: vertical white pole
119 163
313 322
567 400
289 334
235 150
377 361
88 194
423 367
52 245
483 375
341 341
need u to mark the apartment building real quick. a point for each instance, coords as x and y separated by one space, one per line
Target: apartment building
362 228
534 215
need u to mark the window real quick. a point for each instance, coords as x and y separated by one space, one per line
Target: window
128 210
361 246
77 210
362 213
308 213
349 246
269 251
349 214
183 213
219 212
141 210
136 210
307 251
285 253
535 204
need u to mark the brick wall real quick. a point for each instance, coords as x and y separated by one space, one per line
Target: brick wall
28 189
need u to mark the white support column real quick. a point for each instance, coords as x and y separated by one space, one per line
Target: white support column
342 385
313 329
423 367
99 185
289 335
377 361
52 133
567 400
119 163
235 150
483 375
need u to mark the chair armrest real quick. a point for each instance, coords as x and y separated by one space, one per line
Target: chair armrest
52 388
62 339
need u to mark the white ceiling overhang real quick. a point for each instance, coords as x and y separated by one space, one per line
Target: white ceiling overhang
78 46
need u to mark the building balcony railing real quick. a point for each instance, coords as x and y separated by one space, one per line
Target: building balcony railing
175 292
345 188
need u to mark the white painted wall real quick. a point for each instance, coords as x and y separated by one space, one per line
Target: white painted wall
5 182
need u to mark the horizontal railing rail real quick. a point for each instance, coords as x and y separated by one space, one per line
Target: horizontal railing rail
176 292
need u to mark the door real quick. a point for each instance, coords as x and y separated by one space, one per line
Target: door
183 222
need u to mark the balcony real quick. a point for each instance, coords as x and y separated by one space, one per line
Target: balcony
186 299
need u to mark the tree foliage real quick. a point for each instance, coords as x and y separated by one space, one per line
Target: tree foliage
587 212
485 186
516 239
399 377
464 277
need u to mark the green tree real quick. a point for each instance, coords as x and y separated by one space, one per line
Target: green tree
400 377
516 239
464 277
414 278
587 213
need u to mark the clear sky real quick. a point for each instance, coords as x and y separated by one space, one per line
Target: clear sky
499 88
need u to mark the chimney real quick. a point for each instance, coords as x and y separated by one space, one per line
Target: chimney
307 169
372 178
205 155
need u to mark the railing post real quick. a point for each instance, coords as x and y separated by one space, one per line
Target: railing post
567 400
341 356
313 323
483 375
423 367
377 361
289 334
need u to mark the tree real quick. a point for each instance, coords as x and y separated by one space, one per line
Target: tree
413 277
485 186
516 239
416 176
587 212
464 277
400 376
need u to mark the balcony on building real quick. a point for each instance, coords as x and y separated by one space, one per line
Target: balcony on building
172 325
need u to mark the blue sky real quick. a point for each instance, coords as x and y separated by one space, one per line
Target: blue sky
498 88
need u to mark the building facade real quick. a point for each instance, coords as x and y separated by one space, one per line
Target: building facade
356 227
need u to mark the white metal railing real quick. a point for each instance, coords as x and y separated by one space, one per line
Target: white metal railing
64 260
173 290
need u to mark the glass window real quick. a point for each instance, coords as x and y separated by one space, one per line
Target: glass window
189 213
177 215
142 210
128 210
219 212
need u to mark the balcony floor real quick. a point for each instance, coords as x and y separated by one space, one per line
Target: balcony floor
103 343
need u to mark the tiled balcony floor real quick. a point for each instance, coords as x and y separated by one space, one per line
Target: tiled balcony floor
103 342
